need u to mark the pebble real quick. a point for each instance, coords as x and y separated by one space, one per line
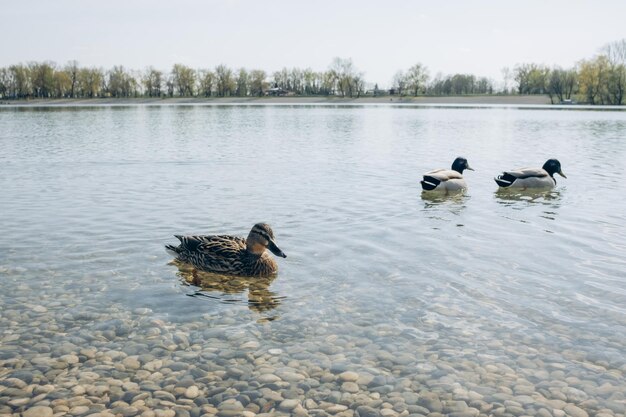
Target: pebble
18 402
192 392
268 378
350 387
253 344
79 410
348 376
431 401
131 363
365 411
38 411
574 411
288 405
76 359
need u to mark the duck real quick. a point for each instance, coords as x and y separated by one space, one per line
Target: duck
231 255
525 178
447 180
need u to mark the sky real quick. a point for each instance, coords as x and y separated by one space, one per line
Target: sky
381 37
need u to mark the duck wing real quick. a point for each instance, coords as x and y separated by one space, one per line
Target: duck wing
443 174
522 173
218 253
507 178
434 178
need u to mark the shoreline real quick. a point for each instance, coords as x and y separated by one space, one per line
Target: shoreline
510 101
421 100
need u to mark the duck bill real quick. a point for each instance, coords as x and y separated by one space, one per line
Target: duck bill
470 168
275 249
561 174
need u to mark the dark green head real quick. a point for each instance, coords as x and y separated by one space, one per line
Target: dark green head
553 166
460 164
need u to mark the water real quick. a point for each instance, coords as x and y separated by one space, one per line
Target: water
511 285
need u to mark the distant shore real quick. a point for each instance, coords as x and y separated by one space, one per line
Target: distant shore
463 100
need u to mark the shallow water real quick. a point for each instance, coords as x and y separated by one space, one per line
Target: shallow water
473 298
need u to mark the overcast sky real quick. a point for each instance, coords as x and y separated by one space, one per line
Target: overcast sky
479 37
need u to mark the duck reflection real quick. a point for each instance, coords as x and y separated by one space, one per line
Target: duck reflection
519 200
510 197
221 287
439 204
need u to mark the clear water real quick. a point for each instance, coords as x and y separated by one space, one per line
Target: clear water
90 195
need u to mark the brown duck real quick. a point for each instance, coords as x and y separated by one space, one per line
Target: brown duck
231 255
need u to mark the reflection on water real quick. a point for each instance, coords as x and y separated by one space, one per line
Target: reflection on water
439 206
379 281
548 201
224 287
520 199
511 197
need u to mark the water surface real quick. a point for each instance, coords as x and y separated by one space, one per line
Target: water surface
457 297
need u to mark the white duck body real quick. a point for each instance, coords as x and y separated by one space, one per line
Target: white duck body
446 180
524 178
528 178
449 180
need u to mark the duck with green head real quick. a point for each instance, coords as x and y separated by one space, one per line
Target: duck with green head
447 180
534 178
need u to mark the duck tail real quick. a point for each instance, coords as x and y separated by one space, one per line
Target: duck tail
505 179
429 183
174 250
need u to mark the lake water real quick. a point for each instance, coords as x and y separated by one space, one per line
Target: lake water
389 303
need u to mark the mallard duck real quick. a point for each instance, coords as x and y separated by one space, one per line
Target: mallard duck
230 254
525 178
447 179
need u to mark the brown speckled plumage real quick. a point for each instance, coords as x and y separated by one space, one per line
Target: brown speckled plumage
230 254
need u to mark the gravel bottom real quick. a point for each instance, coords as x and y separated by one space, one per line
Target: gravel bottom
63 356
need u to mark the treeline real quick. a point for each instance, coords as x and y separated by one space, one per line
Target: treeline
599 80
47 80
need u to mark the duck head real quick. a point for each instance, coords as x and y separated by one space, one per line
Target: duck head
553 166
261 237
460 164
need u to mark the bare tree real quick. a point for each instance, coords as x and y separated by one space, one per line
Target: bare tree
72 70
153 82
121 83
506 76
312 82
616 80
257 82
184 79
206 80
347 79
561 83
416 78
62 84
90 82
42 78
399 82
593 75
531 78
224 80
242 83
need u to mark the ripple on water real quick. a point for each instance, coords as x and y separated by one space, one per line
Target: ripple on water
460 305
